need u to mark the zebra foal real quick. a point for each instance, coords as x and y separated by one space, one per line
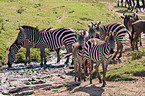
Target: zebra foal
100 54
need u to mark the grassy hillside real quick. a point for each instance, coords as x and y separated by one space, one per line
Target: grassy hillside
47 13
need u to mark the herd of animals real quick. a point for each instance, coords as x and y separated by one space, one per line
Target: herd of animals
97 45
132 4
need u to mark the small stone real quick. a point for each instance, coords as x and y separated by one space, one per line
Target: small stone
27 83
29 92
47 88
62 77
73 84
17 89
58 86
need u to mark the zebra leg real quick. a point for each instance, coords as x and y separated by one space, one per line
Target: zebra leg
97 69
104 67
58 56
90 68
42 55
79 69
26 56
45 60
85 69
121 49
28 52
116 51
75 67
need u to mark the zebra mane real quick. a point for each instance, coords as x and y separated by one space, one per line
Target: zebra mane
30 27
45 30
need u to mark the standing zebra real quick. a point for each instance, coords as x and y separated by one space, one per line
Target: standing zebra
51 39
100 54
117 28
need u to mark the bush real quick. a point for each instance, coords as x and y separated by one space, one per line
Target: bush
137 54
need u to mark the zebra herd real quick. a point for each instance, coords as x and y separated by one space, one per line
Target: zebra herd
131 4
85 49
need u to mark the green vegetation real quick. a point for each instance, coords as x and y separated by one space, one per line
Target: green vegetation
126 70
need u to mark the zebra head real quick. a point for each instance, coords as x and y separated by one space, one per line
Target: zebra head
111 42
81 38
93 31
12 53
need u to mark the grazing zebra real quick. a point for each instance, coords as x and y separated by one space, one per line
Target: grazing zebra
100 54
117 28
49 38
14 49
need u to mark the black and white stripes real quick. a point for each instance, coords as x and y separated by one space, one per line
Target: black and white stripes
48 38
118 29
100 54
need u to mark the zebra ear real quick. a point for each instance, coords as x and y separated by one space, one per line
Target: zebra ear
88 25
8 48
122 17
99 23
106 38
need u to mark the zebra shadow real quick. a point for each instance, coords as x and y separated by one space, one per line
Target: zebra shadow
92 90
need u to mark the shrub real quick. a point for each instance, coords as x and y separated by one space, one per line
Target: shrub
137 54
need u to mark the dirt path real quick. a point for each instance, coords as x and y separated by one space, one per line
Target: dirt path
120 88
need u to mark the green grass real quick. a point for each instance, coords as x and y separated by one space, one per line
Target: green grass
126 70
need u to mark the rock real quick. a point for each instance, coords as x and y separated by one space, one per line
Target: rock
17 89
37 82
27 83
5 93
47 88
73 84
62 77
58 86
37 86
29 92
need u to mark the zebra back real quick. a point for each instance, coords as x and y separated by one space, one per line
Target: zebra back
117 28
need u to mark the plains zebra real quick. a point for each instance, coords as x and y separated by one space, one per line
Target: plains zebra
51 39
117 28
78 48
100 54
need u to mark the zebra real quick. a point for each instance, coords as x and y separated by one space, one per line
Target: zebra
49 38
100 54
14 49
117 28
